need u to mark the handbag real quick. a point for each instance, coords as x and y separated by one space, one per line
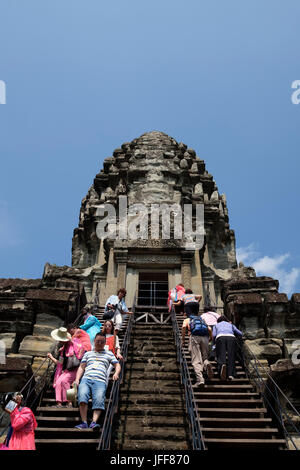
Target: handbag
73 362
109 315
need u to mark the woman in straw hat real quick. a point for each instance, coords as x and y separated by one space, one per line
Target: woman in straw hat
74 343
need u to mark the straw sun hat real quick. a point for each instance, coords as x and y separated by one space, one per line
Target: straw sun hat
61 334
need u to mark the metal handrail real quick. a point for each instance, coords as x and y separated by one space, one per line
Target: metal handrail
281 415
31 385
106 433
197 436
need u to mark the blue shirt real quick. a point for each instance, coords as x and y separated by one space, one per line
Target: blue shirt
97 364
225 328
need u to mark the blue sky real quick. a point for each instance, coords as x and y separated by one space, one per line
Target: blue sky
84 77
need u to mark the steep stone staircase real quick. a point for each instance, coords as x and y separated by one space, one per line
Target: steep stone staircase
151 409
56 426
232 414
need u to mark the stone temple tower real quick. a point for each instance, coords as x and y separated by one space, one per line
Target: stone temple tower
153 169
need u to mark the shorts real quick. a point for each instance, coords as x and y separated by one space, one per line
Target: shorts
191 308
95 389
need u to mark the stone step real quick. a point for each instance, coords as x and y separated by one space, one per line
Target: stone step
217 381
153 367
240 412
242 433
263 444
154 356
228 403
136 375
154 421
150 385
156 433
133 391
53 411
66 443
228 387
226 395
64 433
148 409
234 422
160 445
58 421
156 398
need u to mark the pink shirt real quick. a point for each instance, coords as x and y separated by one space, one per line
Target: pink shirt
210 318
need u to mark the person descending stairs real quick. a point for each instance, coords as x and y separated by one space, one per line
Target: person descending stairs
56 425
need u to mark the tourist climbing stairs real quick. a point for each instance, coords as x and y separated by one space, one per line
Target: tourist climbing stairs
56 426
151 407
232 413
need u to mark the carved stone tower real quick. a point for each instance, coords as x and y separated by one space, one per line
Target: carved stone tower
153 169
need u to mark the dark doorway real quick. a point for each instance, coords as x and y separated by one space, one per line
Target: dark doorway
153 289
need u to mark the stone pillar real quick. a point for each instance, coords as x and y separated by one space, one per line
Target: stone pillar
186 271
110 279
121 260
101 254
197 283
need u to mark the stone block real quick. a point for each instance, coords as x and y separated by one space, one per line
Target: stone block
23 357
8 339
277 307
14 374
39 365
292 349
36 345
249 314
292 327
262 368
270 349
45 323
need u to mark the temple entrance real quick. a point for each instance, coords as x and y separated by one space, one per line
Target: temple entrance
153 289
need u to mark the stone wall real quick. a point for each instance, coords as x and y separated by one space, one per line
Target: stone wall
29 310
269 320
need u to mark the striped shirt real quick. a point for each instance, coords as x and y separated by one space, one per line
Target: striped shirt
187 298
97 364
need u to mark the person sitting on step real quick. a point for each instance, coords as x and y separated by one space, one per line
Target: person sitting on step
117 306
199 334
91 380
224 335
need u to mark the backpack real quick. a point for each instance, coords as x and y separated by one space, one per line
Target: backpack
198 327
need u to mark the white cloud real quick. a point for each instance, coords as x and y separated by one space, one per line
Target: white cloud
9 228
270 266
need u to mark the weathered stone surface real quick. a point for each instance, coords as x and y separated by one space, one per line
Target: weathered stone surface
14 374
22 357
270 349
45 324
292 349
277 306
39 365
8 339
260 369
36 345
154 169
246 310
